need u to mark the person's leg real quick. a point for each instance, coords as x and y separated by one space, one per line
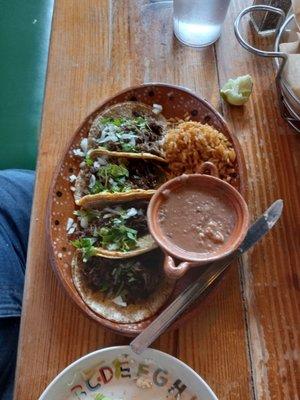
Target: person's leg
16 191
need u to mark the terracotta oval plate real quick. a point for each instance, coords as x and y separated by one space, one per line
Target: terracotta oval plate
176 102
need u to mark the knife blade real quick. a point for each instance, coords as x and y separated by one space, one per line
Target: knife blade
257 230
262 225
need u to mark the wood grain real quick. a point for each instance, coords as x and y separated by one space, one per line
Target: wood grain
244 343
270 274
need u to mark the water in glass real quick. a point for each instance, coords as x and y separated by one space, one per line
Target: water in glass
198 22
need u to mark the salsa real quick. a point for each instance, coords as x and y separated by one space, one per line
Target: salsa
196 219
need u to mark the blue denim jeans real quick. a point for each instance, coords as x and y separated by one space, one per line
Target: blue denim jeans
16 190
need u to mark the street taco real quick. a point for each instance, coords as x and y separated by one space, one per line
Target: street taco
124 291
116 231
130 127
114 176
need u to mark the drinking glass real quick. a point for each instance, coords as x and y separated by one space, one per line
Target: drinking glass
198 23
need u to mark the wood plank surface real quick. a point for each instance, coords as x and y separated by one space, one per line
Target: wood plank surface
244 342
270 277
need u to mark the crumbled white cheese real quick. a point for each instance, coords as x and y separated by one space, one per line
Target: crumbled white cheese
73 188
72 178
157 108
143 383
119 301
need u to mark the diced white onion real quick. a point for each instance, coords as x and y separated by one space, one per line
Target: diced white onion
84 145
78 152
92 181
70 222
96 165
102 160
157 108
131 212
111 137
72 229
71 226
84 222
72 178
107 215
112 211
112 246
119 301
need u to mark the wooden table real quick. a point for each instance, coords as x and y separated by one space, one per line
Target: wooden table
244 342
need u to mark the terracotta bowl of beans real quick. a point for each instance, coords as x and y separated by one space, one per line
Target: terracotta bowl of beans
197 219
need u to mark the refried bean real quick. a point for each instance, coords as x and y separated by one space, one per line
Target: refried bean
196 219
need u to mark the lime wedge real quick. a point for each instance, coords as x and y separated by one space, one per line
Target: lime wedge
237 91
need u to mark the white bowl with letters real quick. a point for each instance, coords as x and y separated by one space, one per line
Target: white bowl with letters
117 373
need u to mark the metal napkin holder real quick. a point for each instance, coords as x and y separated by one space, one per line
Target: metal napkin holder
289 102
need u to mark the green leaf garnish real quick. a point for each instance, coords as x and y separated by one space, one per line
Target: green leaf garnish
85 245
128 147
113 171
112 178
112 121
97 188
89 161
118 237
90 214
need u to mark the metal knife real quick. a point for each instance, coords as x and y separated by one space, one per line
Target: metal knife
260 227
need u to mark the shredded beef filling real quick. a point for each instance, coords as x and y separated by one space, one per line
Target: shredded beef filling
143 174
137 222
147 138
133 279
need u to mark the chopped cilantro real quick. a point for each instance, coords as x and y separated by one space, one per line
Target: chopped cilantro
141 123
113 171
125 131
118 237
90 214
89 162
86 246
112 178
128 147
112 121
97 188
